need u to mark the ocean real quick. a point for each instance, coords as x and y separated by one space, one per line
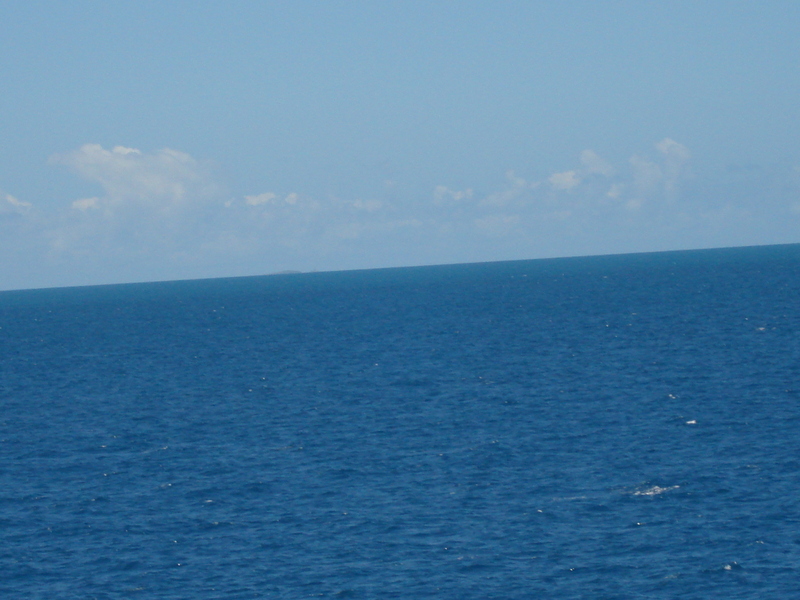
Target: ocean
615 427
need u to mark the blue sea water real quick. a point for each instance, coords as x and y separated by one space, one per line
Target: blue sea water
602 428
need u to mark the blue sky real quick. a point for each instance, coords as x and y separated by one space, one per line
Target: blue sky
168 140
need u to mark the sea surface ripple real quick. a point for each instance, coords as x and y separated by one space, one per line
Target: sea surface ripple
592 428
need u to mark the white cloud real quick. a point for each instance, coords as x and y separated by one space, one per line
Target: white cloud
634 204
592 164
165 177
86 203
369 206
615 191
10 204
596 165
647 175
517 186
158 208
269 198
673 150
260 199
564 181
444 195
660 179
161 210
675 158
123 150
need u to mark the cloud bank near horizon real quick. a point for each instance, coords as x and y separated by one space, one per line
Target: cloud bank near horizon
163 215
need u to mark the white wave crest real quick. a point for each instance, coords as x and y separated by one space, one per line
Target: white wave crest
655 490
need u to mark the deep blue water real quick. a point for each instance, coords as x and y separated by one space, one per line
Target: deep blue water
607 427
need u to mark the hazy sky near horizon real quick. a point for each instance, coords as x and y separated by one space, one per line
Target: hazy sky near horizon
148 140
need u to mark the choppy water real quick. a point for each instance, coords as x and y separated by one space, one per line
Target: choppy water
609 427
